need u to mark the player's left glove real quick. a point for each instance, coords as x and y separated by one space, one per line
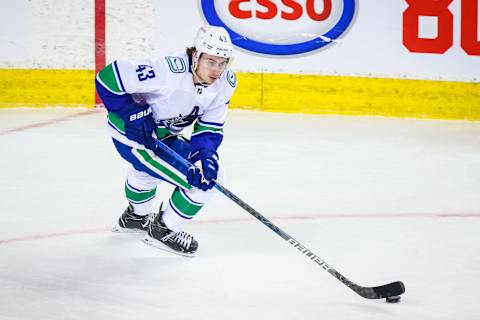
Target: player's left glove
139 124
205 169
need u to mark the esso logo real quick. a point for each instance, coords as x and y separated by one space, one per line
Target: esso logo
281 27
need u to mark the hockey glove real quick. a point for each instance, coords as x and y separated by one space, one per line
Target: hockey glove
205 169
139 124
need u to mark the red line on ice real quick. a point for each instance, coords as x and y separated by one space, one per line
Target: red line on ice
327 216
46 123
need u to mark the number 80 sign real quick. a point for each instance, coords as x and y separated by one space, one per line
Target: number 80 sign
444 38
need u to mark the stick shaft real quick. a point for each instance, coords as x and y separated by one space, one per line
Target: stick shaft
256 214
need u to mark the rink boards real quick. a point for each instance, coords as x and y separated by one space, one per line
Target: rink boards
290 93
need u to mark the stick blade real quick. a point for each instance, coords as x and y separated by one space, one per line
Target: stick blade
388 290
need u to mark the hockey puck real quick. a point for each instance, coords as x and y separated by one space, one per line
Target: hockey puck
393 299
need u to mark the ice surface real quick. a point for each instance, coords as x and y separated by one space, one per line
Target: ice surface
380 199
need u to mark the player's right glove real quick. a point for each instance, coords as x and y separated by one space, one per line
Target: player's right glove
139 124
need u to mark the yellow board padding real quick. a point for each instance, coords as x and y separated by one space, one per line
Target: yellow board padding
345 95
46 88
310 94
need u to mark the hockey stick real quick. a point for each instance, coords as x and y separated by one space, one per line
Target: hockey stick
391 290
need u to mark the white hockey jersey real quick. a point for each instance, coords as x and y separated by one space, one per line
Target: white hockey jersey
166 84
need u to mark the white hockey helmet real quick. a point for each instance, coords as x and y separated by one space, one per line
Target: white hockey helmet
214 41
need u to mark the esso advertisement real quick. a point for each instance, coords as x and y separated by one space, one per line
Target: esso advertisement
281 27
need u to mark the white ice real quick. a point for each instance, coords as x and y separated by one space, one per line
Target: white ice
379 199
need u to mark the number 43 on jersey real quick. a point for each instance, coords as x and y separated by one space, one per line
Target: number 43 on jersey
145 72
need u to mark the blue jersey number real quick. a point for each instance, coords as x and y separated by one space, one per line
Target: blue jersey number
145 72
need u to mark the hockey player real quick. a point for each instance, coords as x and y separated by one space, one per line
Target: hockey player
156 99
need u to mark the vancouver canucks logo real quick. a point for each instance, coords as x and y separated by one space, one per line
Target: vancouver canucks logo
176 124
176 64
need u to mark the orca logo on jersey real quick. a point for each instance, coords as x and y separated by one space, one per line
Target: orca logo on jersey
232 80
281 27
176 124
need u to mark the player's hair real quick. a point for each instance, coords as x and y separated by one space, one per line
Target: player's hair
190 51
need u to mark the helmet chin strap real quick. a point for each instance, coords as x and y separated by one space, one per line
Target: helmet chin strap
201 81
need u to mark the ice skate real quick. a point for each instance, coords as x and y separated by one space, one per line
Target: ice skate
159 236
129 222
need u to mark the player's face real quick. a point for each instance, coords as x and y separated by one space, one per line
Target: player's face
210 68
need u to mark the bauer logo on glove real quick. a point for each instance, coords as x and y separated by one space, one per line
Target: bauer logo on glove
140 114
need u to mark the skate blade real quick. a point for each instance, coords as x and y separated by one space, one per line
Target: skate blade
118 229
159 245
